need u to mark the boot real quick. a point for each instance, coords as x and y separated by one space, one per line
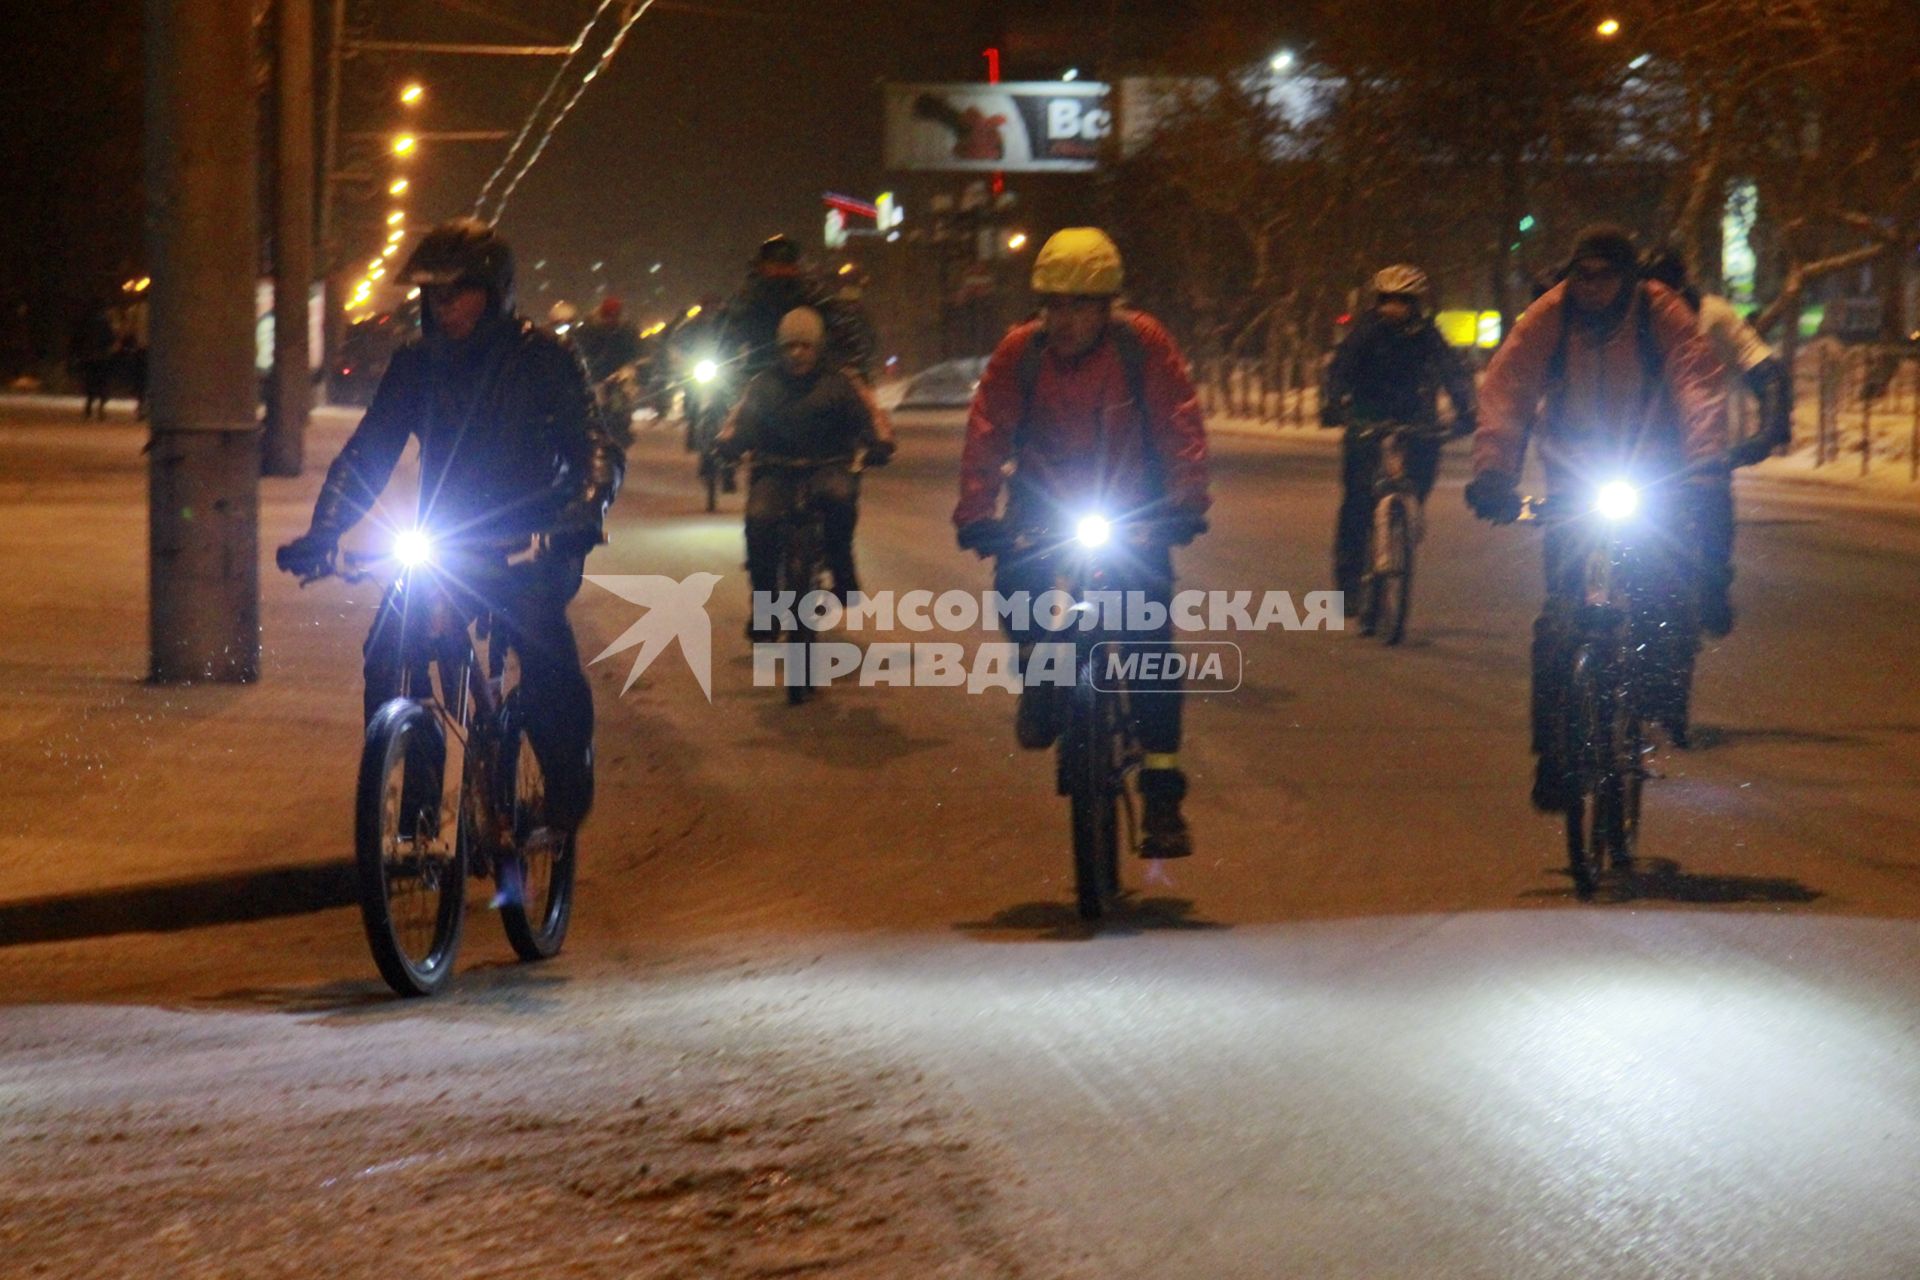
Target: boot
1166 831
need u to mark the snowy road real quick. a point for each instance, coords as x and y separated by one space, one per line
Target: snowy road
1367 1031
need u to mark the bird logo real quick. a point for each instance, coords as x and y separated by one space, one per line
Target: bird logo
675 610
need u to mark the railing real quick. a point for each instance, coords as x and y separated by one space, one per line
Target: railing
1859 406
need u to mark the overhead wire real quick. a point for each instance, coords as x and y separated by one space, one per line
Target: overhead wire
532 155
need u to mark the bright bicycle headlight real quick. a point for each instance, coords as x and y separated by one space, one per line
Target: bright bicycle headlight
1617 500
413 548
706 371
1093 531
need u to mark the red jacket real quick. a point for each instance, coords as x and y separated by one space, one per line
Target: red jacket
1600 397
1075 403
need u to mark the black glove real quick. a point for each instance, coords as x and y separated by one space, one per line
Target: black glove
1464 424
1182 529
982 537
880 453
1495 497
310 555
574 534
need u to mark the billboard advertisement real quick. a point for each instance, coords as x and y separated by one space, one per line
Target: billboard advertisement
1046 126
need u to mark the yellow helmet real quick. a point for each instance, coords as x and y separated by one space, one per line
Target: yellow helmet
1078 260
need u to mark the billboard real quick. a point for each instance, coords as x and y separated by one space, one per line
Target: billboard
1046 126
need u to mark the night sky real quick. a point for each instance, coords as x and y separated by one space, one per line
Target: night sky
717 124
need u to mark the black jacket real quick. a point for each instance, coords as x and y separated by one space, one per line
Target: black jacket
509 444
818 416
1387 373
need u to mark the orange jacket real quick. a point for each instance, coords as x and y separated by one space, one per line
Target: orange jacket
1075 403
1601 399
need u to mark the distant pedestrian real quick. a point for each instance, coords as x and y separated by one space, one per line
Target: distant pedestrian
93 354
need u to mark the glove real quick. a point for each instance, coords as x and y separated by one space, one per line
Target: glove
880 453
1464 424
1183 529
1494 497
310 555
574 534
979 537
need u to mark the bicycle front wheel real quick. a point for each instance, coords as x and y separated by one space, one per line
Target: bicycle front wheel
1593 803
536 925
1392 582
1087 768
410 850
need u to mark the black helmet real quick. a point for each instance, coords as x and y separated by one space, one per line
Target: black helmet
463 251
779 251
1666 264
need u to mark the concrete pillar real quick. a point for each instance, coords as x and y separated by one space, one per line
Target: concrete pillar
202 232
283 448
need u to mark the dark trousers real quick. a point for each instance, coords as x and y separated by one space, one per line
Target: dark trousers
1156 704
530 605
772 496
1359 467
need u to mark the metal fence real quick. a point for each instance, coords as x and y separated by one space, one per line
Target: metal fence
1858 406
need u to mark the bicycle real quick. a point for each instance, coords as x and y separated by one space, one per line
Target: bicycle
803 562
1631 641
1399 524
424 824
1099 754
705 406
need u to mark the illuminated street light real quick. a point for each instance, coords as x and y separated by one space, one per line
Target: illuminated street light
398 187
1016 242
1070 74
397 217
404 144
377 273
376 262
390 250
396 235
412 94
1608 28
1282 62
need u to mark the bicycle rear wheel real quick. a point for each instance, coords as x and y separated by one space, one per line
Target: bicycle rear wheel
536 925
1087 770
411 870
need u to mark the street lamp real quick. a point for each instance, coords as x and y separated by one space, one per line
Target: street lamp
397 217
412 94
398 187
1608 28
396 235
1070 74
404 144
1282 62
1016 242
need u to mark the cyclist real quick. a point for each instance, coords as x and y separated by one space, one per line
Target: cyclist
1389 370
1090 400
509 448
1603 365
606 342
797 411
778 283
1744 358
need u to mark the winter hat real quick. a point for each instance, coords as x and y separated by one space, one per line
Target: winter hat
802 324
1609 242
